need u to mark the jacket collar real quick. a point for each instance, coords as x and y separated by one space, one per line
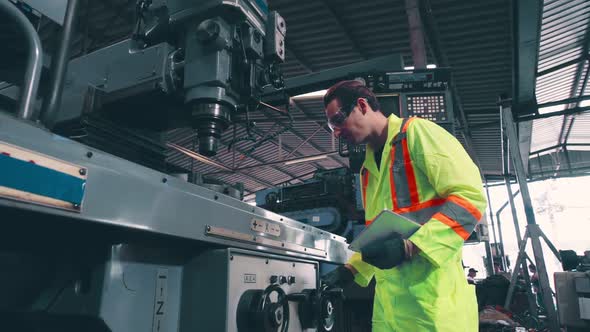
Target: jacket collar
394 122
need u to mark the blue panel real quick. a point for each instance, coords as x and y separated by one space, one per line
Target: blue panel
29 177
262 5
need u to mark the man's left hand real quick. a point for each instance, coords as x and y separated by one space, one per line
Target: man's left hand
385 254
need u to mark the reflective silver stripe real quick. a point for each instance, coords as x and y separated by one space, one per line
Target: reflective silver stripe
402 188
423 215
460 215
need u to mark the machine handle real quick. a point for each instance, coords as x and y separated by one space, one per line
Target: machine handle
34 63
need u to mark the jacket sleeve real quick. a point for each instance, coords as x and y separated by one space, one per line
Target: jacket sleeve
365 271
454 177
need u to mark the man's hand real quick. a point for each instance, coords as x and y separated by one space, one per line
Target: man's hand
341 277
385 254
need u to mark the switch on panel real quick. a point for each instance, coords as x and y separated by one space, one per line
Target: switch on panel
282 280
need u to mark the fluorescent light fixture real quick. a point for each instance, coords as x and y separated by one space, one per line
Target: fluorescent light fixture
431 66
304 159
551 109
314 94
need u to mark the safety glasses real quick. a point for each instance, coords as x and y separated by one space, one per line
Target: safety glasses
338 119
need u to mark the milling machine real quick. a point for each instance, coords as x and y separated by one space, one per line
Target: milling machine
97 238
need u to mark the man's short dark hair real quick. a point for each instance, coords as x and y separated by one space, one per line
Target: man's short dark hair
347 92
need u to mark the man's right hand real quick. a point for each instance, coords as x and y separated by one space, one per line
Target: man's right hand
341 277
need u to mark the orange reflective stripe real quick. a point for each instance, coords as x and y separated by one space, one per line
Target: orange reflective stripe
369 221
420 206
453 224
466 205
364 184
407 124
414 199
391 180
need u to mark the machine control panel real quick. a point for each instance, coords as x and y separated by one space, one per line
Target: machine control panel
247 291
281 280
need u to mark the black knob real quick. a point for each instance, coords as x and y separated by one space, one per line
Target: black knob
282 280
208 30
298 297
274 279
291 280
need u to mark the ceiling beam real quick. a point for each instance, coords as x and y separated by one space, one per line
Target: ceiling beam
294 55
322 125
274 142
434 41
299 135
526 36
568 121
193 137
526 39
331 8
561 66
416 34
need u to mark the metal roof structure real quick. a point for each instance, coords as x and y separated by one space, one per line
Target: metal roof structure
481 40
562 142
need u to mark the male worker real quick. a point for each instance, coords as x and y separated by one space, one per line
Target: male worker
416 168
471 276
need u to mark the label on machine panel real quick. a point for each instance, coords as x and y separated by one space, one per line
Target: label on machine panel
249 278
32 177
266 227
161 293
230 234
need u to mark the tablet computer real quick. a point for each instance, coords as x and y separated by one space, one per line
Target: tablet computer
384 226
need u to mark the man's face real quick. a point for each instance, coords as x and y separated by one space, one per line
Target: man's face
354 129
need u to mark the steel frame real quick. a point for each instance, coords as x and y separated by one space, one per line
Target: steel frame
532 229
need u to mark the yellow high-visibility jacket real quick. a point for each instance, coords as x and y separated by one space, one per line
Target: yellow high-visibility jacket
426 175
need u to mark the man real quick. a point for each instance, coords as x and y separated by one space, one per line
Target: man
498 268
471 276
535 284
413 167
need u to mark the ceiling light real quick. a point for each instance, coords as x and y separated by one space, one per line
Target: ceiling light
314 94
305 159
551 109
431 66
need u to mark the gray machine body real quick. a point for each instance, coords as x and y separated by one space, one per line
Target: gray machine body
138 249
573 299
122 194
144 289
215 281
134 289
191 65
179 280
55 9
118 69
